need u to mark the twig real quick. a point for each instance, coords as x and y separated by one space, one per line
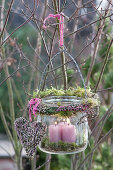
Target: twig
17 93
20 25
44 164
83 156
74 161
96 146
75 24
104 65
105 116
99 91
62 53
12 74
91 23
35 51
101 128
43 40
37 60
6 20
6 125
7 153
48 160
64 70
79 7
16 29
95 51
33 163
27 59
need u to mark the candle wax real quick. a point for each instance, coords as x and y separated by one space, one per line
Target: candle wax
62 132
54 133
68 133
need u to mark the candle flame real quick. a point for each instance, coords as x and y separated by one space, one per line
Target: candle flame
64 120
55 123
68 121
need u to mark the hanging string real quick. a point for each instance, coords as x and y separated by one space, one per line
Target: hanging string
60 17
61 30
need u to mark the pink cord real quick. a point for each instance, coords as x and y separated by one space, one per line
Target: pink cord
61 21
61 30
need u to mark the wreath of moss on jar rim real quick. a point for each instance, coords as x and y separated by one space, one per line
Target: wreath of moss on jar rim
90 105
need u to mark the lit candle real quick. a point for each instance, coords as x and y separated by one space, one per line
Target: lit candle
62 123
61 126
68 132
63 131
54 133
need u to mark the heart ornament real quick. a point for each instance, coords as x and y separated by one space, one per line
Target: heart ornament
30 134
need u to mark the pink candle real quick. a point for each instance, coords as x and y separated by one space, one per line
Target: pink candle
54 133
68 133
61 126
62 131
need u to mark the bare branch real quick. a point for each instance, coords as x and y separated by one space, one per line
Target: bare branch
104 65
12 74
96 146
7 16
5 125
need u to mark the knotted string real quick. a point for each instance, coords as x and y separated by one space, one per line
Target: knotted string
60 17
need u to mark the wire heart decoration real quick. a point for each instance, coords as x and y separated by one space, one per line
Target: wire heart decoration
30 134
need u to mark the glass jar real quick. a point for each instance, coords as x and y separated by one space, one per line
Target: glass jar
64 135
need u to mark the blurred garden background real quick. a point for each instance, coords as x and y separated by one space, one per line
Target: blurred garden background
26 48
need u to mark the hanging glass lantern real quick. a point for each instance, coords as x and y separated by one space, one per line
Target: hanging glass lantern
61 116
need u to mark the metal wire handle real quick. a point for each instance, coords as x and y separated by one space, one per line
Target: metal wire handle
43 74
72 58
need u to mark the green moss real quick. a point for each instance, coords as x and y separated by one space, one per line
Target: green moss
59 104
78 92
51 110
69 92
60 146
65 113
50 92
93 101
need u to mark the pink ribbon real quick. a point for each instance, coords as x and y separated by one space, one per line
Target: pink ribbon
35 102
61 22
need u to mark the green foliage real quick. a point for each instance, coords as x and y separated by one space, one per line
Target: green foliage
63 162
70 74
21 38
108 79
65 113
104 45
103 158
21 35
58 162
108 73
109 122
95 71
